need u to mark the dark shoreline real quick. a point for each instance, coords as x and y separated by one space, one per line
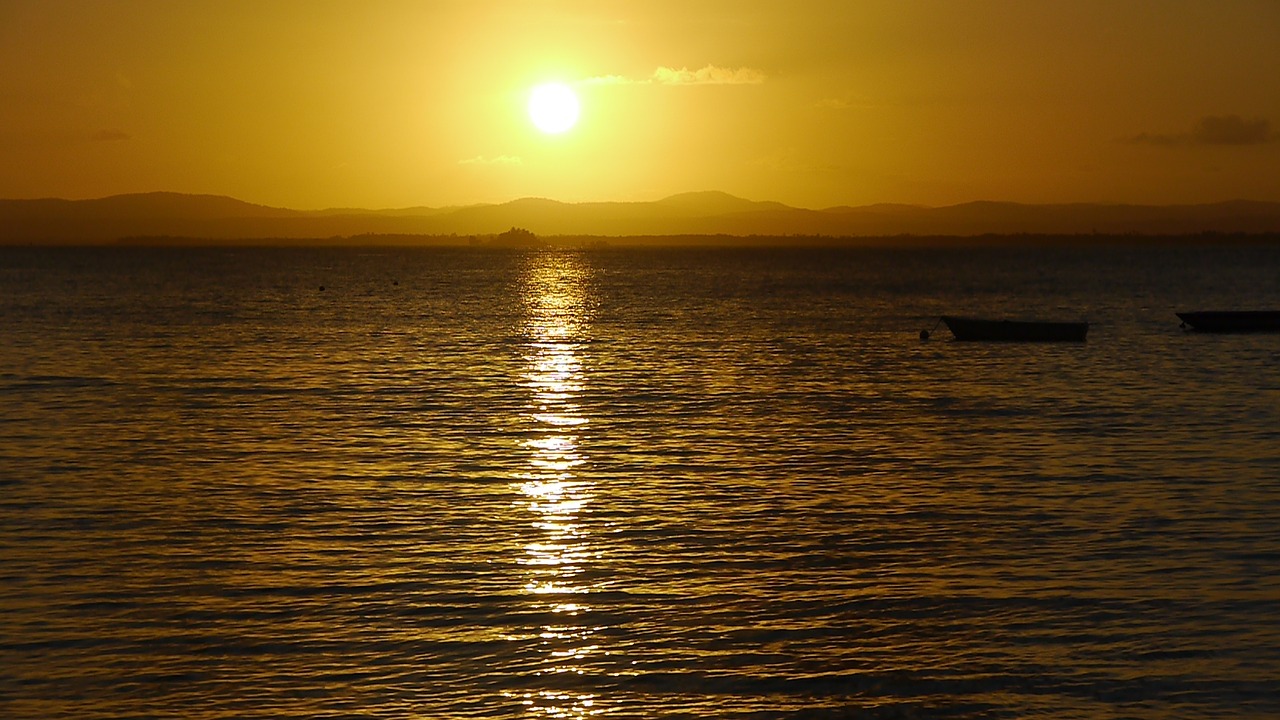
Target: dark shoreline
605 242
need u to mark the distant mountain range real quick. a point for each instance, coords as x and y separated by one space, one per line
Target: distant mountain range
155 216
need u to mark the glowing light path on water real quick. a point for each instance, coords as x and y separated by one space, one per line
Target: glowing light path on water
555 497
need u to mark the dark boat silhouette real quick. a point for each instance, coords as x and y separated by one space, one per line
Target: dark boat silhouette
967 328
1232 321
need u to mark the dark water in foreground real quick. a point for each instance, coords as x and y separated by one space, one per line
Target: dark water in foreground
649 483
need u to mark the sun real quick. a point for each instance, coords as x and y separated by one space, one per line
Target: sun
553 107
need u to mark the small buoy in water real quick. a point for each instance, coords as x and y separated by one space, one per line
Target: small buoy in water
924 334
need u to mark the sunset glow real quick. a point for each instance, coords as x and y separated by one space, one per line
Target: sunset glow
572 360
394 104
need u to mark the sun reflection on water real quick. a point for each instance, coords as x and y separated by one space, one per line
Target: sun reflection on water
560 551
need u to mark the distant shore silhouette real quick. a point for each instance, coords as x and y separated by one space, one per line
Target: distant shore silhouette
691 218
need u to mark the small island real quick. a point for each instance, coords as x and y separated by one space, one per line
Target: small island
516 237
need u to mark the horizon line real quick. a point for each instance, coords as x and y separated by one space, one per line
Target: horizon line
722 193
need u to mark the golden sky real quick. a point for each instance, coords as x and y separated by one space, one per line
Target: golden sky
313 104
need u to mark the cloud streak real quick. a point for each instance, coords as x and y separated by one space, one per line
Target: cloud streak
110 136
1214 130
492 161
708 75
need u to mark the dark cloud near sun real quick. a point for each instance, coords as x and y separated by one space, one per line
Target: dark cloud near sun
1214 130
1231 130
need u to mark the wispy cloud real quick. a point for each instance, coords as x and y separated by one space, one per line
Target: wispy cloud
611 80
791 160
110 136
846 102
1213 130
498 160
708 75
833 104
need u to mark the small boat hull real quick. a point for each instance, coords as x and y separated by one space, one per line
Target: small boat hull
973 329
1232 321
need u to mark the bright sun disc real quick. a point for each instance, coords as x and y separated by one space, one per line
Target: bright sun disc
553 107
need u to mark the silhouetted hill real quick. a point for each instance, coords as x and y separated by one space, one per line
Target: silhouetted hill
713 202
105 219
216 218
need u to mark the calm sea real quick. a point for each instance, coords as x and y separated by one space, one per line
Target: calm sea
441 483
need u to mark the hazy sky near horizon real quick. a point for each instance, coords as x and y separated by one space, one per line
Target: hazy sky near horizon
379 103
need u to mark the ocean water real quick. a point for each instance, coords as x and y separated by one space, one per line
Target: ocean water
635 483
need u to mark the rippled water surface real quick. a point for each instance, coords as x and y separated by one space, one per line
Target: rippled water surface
634 483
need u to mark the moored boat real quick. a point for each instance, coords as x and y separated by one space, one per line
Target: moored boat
967 328
1232 321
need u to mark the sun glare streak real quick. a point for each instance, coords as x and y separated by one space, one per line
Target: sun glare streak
560 550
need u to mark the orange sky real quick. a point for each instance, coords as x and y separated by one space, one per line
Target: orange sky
370 103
